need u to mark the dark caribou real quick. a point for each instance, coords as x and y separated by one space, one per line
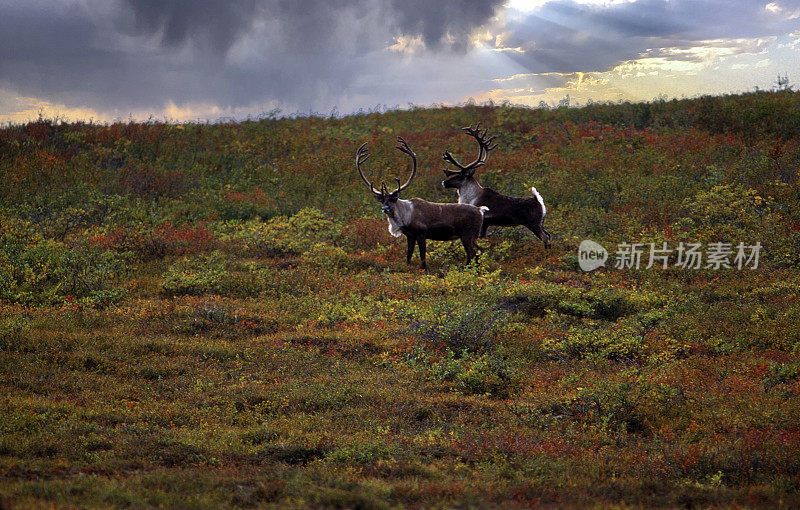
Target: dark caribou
503 210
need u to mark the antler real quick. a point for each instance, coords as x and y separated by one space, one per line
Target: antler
403 147
484 144
361 156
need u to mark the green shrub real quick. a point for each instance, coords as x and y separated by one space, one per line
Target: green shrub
602 301
611 303
780 373
534 297
458 325
488 374
622 341
472 374
198 275
787 252
327 256
104 298
281 235
298 233
445 253
727 213
363 453
49 272
62 213
616 405
214 274
13 332
347 309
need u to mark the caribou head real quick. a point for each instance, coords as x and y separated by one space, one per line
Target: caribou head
464 175
388 200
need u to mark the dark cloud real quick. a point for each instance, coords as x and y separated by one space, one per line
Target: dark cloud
123 55
438 21
136 54
217 24
209 23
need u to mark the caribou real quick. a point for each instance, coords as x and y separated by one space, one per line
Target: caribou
503 210
420 220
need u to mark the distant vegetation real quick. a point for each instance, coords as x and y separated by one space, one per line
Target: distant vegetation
215 314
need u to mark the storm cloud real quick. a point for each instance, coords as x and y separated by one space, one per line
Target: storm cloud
143 53
254 55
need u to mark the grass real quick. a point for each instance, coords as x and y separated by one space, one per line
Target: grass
216 315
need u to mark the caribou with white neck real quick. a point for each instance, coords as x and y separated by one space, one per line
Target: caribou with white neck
503 210
420 220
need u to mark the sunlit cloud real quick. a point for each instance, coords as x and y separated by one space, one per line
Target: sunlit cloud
16 109
517 49
712 67
778 9
705 51
408 45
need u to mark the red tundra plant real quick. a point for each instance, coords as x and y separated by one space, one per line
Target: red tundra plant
366 233
145 180
163 240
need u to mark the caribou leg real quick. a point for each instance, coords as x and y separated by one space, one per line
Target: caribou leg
540 232
411 242
470 246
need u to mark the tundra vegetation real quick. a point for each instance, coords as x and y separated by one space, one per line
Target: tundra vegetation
205 315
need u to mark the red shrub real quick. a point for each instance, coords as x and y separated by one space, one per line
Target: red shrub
145 180
183 240
365 234
159 242
40 130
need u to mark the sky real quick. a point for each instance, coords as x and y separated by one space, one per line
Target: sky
209 60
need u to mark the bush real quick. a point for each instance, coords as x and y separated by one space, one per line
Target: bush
13 332
281 235
48 272
365 234
624 341
244 205
532 298
726 213
327 256
154 181
297 234
609 303
459 326
616 405
602 302
488 375
214 274
152 243
218 320
780 373
59 214
485 374
197 276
